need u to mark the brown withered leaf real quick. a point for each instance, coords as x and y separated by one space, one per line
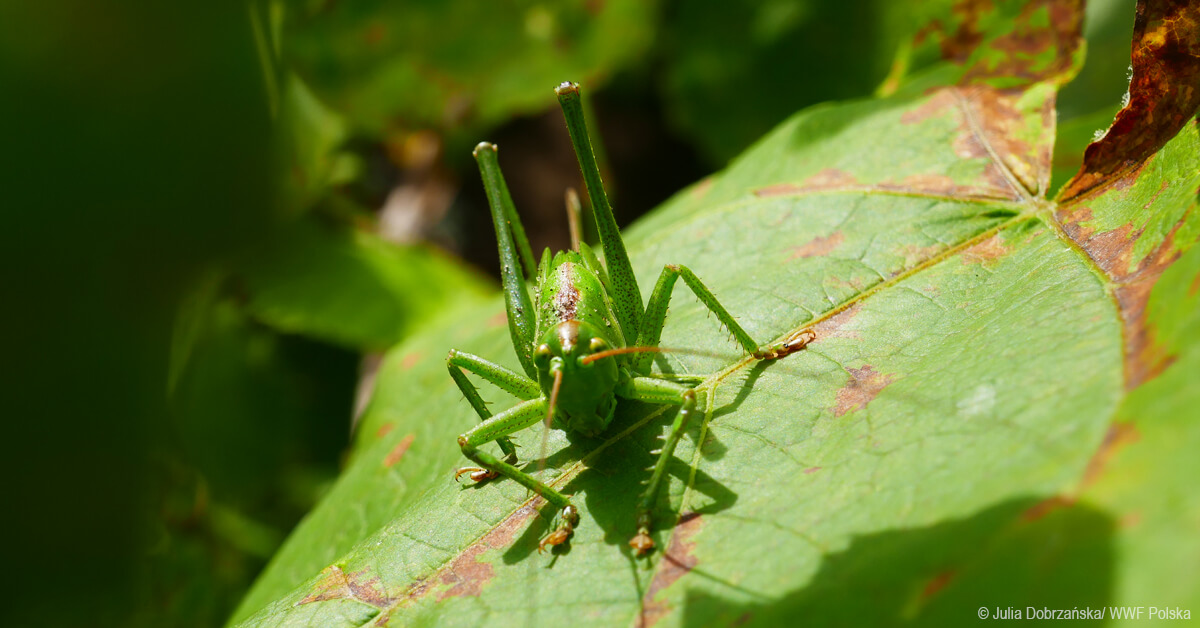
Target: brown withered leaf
1163 95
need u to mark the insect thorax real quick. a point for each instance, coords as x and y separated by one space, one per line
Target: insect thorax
568 289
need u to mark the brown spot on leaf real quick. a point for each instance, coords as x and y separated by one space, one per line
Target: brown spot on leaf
986 251
1001 123
1020 51
914 254
959 45
1046 506
1145 357
335 584
992 125
826 180
384 430
967 144
942 185
779 189
1113 252
410 360
817 247
366 587
1195 287
832 326
466 575
1118 436
830 178
941 102
676 562
935 585
331 586
1032 39
398 451
939 184
1112 249
1163 95
812 470
916 184
865 384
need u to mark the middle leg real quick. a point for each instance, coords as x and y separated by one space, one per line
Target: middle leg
658 391
518 385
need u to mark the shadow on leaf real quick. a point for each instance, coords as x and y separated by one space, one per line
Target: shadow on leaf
1019 554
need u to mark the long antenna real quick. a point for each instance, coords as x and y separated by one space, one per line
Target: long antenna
558 376
624 350
790 345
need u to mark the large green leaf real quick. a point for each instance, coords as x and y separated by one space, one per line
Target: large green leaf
998 410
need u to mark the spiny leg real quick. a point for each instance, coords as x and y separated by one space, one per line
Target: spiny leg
658 391
515 419
486 154
627 299
509 381
518 385
656 313
521 316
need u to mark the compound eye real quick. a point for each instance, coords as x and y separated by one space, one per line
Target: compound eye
597 345
542 353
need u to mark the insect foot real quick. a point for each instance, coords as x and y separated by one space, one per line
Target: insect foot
570 517
642 544
477 474
481 474
790 345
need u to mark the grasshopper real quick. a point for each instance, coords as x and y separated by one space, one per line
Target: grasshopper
584 339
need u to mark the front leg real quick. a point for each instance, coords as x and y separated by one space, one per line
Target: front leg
515 419
658 391
656 314
518 385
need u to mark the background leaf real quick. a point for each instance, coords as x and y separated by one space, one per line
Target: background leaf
996 378
352 287
454 66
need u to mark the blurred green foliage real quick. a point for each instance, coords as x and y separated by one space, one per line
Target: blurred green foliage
458 67
732 70
197 266
136 154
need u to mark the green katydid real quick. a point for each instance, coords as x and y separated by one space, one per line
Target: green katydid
584 339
